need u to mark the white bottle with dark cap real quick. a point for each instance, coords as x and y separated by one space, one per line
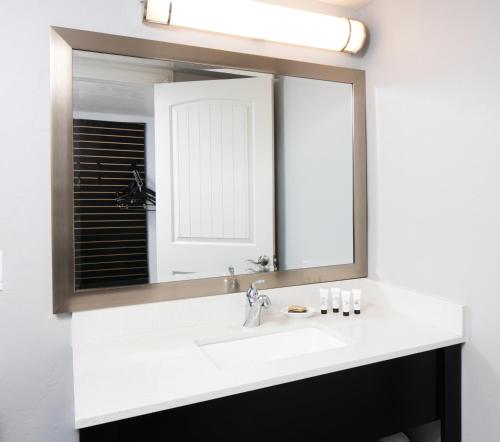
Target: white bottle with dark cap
356 299
323 297
346 302
335 299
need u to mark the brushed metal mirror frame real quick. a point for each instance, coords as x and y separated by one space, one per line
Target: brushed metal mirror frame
63 42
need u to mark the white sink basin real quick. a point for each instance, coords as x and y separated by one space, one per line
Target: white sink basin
245 351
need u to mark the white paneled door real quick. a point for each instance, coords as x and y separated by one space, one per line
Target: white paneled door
214 176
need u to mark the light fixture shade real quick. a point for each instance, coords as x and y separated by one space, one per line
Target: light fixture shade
264 21
357 37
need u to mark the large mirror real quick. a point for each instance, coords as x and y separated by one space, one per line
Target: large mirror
189 171
181 171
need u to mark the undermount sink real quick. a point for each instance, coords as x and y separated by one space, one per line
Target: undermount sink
247 351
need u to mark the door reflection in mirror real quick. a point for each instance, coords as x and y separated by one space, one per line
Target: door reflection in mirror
252 172
214 175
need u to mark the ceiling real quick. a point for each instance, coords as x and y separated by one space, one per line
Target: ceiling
347 3
113 84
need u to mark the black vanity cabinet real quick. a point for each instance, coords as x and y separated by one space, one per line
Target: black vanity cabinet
355 405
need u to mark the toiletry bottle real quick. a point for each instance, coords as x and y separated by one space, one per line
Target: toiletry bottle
346 302
323 296
356 299
335 299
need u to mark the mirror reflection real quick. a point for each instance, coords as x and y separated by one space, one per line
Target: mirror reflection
188 171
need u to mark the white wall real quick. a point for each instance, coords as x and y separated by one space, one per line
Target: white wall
35 356
434 171
314 172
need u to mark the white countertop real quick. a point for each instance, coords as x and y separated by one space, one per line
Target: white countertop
139 369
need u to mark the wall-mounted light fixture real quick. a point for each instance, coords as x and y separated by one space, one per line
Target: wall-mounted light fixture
254 19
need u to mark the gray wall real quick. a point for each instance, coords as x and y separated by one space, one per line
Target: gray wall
36 392
314 172
434 180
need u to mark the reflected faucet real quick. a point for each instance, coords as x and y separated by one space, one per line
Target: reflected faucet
256 303
232 283
262 264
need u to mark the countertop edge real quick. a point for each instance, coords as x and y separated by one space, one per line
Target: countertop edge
85 422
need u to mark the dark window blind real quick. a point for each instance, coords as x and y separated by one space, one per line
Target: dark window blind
110 243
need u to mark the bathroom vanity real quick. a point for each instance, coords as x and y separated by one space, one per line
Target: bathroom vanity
354 405
181 175
394 367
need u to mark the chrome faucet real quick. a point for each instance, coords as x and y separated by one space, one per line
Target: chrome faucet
256 303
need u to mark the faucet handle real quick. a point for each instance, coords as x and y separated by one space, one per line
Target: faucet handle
264 301
262 260
260 281
252 292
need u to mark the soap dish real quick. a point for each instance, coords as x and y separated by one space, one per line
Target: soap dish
307 314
